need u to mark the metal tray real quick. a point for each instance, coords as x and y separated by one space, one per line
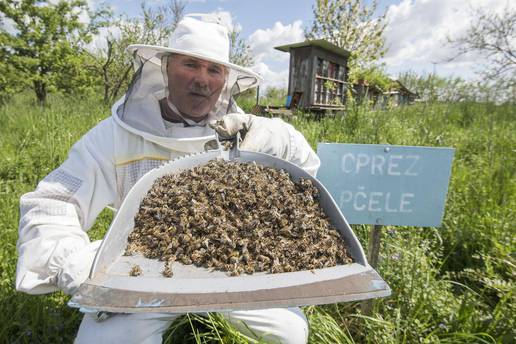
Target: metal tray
192 289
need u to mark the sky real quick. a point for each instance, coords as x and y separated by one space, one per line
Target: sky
416 33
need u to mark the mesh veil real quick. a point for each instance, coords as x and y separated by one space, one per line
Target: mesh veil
141 109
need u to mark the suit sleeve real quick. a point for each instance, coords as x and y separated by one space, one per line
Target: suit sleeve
54 249
301 153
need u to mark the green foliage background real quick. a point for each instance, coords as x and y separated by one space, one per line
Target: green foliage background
454 284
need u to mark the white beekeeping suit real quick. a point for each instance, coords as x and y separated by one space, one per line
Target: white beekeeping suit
55 251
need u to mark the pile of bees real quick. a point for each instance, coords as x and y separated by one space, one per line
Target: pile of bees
238 218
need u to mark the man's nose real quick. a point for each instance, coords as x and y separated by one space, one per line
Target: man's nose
202 77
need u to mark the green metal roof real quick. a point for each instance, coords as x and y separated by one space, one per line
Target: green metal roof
321 43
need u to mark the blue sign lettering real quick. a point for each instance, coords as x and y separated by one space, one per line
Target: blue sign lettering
389 185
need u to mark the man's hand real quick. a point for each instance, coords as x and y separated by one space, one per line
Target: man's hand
259 134
77 268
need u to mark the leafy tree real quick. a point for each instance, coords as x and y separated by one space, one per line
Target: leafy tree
428 87
240 51
374 76
47 41
275 96
351 25
11 79
154 27
434 88
492 35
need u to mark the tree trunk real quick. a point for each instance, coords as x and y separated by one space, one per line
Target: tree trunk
105 69
40 88
124 77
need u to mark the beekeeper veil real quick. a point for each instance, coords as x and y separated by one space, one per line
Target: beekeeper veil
201 36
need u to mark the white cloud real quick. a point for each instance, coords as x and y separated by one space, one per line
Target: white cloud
225 18
269 62
417 34
263 41
99 42
271 78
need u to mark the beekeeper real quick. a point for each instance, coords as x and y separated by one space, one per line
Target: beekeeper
176 92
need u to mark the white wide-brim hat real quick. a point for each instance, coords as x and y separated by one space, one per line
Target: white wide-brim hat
205 39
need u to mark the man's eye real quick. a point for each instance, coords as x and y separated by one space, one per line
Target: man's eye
215 70
190 65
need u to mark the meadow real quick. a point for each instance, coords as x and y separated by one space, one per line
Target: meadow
453 284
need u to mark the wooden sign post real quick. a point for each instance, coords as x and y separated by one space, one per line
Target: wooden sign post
372 256
386 185
374 245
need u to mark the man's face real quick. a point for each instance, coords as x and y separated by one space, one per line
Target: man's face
194 85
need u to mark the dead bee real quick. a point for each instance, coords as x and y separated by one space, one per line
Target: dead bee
167 271
136 270
236 217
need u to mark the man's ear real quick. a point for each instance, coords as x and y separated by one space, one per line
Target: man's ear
169 58
168 62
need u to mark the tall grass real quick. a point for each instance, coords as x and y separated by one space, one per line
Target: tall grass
454 284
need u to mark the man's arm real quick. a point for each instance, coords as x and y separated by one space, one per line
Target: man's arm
301 153
54 249
270 135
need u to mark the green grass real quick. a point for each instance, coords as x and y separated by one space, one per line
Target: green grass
454 284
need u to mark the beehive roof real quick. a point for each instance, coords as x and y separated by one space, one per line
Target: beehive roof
317 43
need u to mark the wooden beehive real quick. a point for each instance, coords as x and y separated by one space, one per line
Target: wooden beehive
319 72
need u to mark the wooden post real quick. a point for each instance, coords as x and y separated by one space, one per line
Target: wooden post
373 252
